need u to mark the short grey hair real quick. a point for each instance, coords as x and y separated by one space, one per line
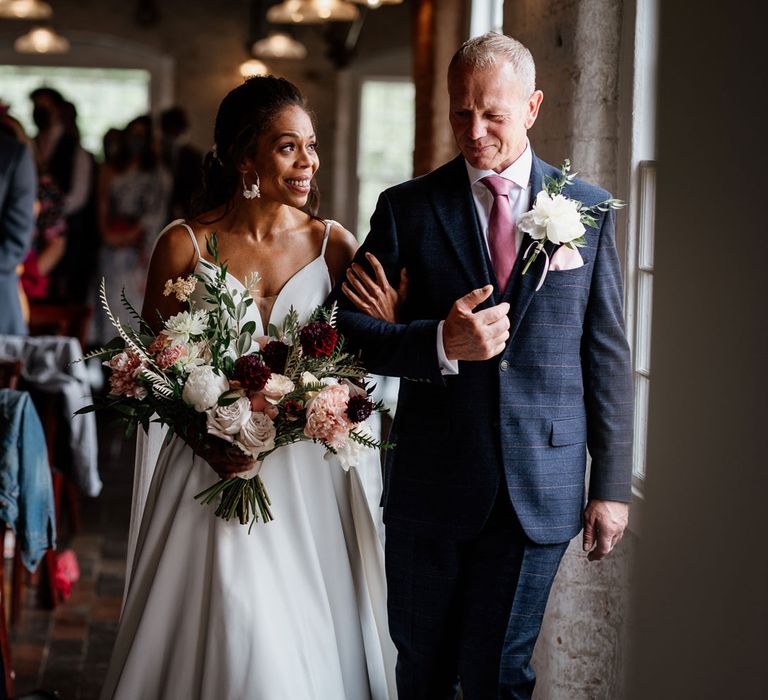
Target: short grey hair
488 50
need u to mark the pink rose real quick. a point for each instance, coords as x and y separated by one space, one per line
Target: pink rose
257 435
259 403
125 369
327 416
226 421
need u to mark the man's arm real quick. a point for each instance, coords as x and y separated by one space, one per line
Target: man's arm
18 211
392 349
422 348
607 377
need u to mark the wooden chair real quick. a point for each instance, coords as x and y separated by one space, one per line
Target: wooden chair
69 320
10 373
60 319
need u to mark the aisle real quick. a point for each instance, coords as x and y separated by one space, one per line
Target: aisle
67 650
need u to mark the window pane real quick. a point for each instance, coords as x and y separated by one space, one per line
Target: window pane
647 214
643 334
385 148
104 97
642 387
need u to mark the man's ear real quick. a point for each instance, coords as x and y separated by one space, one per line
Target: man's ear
534 103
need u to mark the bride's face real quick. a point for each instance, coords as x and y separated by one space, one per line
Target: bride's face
286 158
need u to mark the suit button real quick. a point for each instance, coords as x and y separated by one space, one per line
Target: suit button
504 365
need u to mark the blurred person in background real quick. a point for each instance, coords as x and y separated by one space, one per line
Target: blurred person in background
18 189
71 168
183 161
132 207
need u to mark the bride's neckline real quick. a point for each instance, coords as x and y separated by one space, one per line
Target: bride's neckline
275 297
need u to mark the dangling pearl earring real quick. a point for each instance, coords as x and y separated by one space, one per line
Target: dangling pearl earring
253 191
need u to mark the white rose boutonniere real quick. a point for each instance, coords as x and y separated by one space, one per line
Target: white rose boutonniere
558 219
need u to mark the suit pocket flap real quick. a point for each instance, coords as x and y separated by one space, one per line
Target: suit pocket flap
569 431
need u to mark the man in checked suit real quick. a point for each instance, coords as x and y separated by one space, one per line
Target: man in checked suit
504 388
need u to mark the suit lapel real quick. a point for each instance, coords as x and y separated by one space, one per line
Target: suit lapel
523 287
455 209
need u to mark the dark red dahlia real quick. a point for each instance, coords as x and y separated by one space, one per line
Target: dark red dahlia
275 354
359 408
318 339
251 372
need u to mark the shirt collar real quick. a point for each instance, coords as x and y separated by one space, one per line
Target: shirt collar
519 172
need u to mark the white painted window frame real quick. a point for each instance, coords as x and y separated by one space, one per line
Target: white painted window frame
637 162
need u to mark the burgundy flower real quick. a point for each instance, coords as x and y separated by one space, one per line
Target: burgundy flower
359 408
251 372
275 354
318 339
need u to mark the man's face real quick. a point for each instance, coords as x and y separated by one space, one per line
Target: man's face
490 115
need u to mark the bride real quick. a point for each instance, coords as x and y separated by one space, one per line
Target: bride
296 609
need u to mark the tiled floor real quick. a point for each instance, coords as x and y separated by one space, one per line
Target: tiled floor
67 650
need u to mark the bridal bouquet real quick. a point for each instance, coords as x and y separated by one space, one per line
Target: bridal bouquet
223 391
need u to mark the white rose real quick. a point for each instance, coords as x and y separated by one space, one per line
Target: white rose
555 218
203 387
186 325
226 421
257 435
277 386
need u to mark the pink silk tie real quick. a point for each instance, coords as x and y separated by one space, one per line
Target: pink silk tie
501 229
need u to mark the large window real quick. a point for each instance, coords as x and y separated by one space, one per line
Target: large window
486 16
104 97
385 145
641 187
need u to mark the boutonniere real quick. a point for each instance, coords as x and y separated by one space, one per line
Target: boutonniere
558 219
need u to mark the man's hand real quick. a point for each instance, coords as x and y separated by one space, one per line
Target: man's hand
604 525
475 336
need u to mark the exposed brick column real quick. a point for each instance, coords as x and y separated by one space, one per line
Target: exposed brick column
439 28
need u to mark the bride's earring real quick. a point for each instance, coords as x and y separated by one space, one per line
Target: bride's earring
253 191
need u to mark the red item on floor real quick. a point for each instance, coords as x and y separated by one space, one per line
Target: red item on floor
67 572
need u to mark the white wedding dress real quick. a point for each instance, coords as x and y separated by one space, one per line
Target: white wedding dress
295 610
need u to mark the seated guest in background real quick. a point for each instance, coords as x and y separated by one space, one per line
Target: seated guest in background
183 161
132 207
18 188
60 155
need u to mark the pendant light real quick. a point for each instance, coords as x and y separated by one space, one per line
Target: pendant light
40 40
312 12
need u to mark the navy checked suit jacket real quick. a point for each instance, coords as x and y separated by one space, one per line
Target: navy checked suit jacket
563 382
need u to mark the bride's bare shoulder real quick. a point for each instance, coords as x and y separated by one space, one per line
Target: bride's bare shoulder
340 250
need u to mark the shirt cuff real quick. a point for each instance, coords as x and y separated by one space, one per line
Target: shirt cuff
446 366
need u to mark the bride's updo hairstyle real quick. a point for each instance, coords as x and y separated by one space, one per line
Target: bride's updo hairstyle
244 114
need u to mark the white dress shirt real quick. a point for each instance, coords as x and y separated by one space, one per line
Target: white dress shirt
519 197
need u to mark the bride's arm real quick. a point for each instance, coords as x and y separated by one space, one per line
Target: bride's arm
174 256
373 296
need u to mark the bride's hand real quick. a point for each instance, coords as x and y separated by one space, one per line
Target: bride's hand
375 297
